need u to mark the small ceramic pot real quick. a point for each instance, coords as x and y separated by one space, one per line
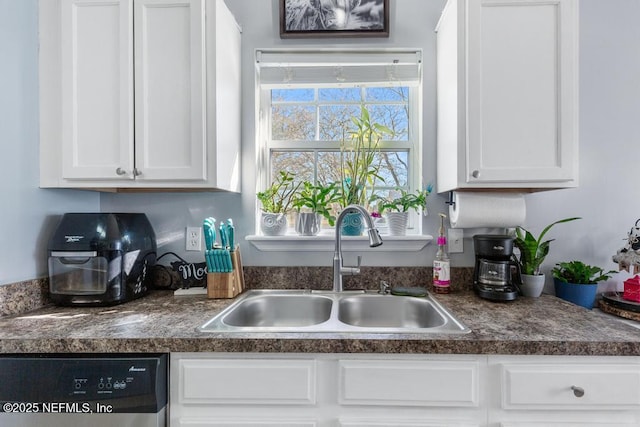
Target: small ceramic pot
580 294
532 285
352 224
308 223
397 223
273 224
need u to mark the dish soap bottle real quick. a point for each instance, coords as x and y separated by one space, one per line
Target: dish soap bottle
441 265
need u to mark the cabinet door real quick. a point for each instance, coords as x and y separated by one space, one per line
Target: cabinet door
97 89
169 90
522 93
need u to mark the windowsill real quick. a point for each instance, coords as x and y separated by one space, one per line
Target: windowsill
326 243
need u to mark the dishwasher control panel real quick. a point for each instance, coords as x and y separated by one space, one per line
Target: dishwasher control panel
123 384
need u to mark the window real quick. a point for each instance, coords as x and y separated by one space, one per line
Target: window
307 100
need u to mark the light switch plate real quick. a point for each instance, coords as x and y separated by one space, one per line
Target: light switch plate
455 239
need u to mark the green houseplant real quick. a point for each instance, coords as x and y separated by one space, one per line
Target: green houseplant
360 166
533 251
276 201
577 282
396 209
317 200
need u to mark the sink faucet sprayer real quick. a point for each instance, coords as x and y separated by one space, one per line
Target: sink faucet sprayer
374 240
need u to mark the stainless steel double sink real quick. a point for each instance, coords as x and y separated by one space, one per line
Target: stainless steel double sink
311 311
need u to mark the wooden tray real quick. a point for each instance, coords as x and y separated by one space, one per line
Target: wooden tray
616 300
607 307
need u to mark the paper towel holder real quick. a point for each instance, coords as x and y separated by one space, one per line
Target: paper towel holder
450 201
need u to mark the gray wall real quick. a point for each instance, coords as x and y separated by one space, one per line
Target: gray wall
607 198
28 213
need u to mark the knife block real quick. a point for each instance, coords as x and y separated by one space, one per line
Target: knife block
227 285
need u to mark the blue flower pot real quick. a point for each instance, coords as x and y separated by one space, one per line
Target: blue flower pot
352 224
583 295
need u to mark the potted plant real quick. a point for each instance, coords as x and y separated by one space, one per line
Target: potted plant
577 282
276 201
314 202
396 209
360 165
533 251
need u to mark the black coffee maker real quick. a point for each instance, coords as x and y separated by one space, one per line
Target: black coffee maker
496 276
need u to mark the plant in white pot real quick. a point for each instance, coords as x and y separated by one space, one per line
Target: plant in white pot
397 206
577 282
314 202
276 202
533 251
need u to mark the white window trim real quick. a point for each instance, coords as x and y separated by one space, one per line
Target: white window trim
324 242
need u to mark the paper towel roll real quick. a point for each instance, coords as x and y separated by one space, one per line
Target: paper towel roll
487 209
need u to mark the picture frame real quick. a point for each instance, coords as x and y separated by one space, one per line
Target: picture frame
334 18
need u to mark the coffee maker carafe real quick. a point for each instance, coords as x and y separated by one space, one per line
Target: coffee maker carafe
496 276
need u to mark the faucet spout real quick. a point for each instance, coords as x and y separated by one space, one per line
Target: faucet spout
339 269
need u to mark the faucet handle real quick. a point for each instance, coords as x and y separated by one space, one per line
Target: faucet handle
357 266
351 270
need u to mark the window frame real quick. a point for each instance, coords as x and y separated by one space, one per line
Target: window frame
413 144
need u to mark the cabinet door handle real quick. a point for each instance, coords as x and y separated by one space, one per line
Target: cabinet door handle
136 172
475 174
577 391
121 171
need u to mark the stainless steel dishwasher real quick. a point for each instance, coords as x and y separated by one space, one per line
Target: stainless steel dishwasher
83 390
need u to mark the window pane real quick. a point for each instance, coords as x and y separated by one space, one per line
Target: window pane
393 168
294 95
328 167
293 122
335 121
340 94
299 163
387 94
393 116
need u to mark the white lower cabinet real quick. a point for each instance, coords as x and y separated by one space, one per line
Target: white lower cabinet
218 389
548 391
376 390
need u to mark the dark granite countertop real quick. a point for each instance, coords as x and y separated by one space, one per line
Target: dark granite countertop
162 322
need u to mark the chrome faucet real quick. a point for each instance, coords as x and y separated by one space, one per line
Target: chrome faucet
374 240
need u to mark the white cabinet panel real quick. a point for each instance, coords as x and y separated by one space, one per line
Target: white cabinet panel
97 88
413 383
274 382
550 386
507 94
239 423
565 424
170 83
393 423
139 94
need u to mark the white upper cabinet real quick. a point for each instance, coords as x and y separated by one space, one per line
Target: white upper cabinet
97 88
170 101
507 94
130 92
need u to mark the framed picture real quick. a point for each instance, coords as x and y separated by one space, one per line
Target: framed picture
334 18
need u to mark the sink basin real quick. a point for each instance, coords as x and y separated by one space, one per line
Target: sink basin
371 311
280 311
295 311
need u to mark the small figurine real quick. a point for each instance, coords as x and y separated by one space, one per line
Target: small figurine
629 255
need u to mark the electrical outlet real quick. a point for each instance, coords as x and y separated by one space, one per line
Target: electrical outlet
194 239
454 240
